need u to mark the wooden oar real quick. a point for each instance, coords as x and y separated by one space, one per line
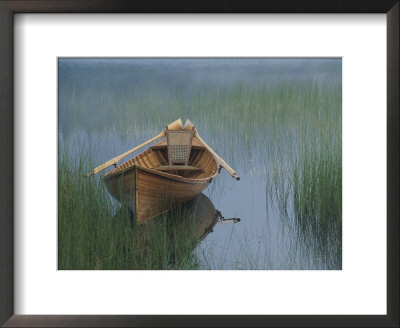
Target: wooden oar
188 126
173 126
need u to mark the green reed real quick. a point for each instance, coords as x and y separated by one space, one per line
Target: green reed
306 179
290 130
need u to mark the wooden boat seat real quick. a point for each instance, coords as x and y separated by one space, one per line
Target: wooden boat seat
178 167
179 144
196 144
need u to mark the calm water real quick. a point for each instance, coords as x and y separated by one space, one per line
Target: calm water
109 106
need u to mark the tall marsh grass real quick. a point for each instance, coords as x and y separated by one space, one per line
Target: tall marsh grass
306 179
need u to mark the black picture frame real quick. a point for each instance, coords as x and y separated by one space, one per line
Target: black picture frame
7 172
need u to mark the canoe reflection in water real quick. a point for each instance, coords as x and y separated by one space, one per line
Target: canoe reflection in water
173 235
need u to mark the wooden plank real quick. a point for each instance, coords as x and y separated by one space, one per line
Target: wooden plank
156 194
178 168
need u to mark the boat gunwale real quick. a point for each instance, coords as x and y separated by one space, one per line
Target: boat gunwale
178 177
170 176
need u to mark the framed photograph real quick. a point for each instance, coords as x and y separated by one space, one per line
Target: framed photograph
206 164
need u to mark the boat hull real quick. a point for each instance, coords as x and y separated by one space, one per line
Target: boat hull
149 192
156 193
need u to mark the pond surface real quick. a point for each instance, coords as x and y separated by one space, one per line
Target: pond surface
277 122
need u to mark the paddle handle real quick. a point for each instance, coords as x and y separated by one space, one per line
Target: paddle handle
176 125
115 160
222 163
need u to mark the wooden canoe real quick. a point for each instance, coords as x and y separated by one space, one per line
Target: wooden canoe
148 192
